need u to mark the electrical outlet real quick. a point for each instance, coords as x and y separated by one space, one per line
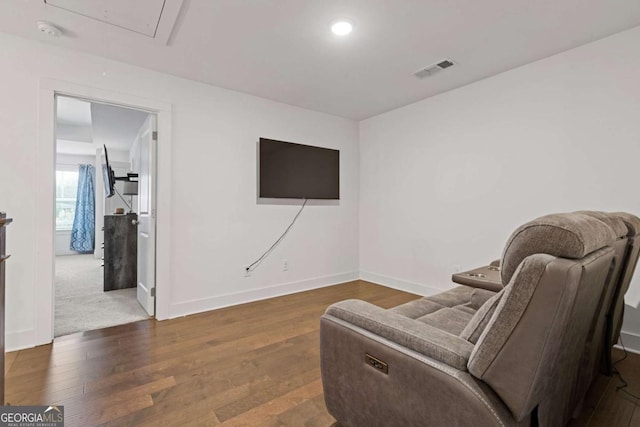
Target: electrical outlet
247 272
285 265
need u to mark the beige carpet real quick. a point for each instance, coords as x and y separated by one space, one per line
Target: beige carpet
82 305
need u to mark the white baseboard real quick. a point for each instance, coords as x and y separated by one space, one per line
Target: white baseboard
19 340
206 304
631 342
401 285
26 339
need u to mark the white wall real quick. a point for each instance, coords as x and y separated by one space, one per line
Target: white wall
631 328
217 226
446 180
441 183
63 243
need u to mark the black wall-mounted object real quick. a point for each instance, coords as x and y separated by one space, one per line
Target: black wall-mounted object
296 171
109 177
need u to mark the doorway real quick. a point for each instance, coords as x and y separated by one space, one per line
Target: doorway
104 215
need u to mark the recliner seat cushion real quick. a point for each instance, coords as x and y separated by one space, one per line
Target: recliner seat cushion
480 320
448 319
417 308
450 311
456 296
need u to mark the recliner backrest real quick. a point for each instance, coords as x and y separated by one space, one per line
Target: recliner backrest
616 310
556 268
554 235
595 346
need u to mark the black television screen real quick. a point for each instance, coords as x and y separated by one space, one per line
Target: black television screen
296 171
108 176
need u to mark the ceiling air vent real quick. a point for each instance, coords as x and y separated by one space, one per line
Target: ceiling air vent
430 70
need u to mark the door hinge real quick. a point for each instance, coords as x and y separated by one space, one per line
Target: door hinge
153 213
153 292
154 135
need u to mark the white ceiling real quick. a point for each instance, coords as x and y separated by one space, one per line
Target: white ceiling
141 16
73 111
82 126
283 50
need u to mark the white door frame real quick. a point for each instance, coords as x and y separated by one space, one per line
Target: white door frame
45 198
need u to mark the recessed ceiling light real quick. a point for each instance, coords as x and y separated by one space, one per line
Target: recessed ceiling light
341 27
49 29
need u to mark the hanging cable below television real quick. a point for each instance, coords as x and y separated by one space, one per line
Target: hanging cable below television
257 262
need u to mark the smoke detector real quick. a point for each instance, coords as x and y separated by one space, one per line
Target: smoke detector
49 29
432 69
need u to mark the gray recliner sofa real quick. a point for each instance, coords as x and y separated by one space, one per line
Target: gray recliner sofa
470 357
607 321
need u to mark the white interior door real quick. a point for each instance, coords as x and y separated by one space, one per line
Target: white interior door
147 139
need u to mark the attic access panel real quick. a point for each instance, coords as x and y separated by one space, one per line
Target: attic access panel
140 16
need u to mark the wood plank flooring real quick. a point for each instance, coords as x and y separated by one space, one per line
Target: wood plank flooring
607 406
255 364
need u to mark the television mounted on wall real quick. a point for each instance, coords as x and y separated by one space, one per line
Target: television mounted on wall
296 171
108 177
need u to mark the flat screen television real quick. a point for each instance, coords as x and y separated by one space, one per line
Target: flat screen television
296 171
108 177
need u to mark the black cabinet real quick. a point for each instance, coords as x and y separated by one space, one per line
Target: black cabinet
120 251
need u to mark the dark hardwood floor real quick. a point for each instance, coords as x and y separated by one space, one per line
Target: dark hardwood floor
608 406
255 364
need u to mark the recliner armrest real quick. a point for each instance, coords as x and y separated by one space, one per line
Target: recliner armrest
487 277
420 337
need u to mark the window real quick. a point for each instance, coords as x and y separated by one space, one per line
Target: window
66 193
